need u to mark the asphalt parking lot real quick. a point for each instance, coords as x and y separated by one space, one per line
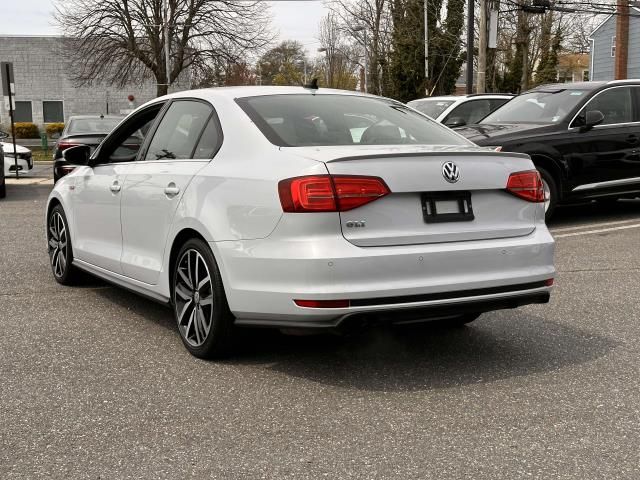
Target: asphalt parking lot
95 382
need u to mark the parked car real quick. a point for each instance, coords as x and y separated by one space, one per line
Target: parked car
81 130
258 206
456 111
24 163
584 138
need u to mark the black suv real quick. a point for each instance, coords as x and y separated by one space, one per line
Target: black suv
584 138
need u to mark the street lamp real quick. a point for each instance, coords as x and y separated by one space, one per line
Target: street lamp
362 29
321 50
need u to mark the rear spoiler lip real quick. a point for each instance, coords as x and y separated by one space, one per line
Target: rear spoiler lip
467 153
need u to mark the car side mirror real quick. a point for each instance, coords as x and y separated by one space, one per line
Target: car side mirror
3 135
454 122
592 118
78 155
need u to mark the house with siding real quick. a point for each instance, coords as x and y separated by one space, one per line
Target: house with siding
603 48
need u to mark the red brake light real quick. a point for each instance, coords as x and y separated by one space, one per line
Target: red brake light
329 193
322 303
64 145
526 185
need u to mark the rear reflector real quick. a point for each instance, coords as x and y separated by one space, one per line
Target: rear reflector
327 193
526 185
549 282
322 303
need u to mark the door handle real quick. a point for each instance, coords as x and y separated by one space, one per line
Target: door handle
115 187
171 190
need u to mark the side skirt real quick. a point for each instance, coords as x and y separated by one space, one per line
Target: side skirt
130 284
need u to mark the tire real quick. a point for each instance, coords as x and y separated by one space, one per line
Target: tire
202 314
3 190
551 188
60 248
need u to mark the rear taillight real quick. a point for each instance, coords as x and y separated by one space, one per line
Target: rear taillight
329 193
64 145
526 185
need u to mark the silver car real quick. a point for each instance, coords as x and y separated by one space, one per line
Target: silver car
276 207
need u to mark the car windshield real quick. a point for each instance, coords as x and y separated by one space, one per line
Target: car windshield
433 108
537 107
92 125
326 120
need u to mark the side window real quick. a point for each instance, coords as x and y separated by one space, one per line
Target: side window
123 144
471 112
209 142
495 103
616 104
179 131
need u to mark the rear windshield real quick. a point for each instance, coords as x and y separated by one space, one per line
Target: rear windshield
326 120
92 125
433 108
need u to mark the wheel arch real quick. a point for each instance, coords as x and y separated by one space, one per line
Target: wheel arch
182 236
546 162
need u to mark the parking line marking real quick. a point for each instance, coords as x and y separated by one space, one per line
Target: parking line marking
602 230
594 225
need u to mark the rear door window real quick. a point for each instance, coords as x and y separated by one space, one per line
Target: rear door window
179 131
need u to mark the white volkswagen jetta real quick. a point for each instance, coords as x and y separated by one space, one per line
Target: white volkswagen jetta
270 206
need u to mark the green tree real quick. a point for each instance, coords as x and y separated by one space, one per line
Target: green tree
283 64
445 53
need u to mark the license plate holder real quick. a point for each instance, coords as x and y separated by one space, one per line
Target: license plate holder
447 201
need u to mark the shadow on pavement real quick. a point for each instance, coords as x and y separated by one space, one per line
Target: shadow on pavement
406 358
424 357
594 212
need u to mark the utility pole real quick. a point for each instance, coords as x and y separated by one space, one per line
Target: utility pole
470 41
426 47
622 40
523 41
482 49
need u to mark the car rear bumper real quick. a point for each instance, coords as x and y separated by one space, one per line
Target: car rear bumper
262 278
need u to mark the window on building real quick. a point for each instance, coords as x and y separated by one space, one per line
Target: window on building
52 112
22 112
613 46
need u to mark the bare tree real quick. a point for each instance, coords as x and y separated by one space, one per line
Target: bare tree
375 17
123 41
341 56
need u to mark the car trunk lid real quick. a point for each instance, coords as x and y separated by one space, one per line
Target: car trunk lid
413 212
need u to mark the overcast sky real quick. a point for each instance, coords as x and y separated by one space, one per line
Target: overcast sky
296 20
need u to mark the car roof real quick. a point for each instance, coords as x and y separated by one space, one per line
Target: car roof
463 97
593 85
256 91
78 117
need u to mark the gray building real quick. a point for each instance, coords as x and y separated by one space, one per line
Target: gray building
44 93
603 48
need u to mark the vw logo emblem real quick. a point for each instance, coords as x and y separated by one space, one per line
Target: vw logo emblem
450 172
